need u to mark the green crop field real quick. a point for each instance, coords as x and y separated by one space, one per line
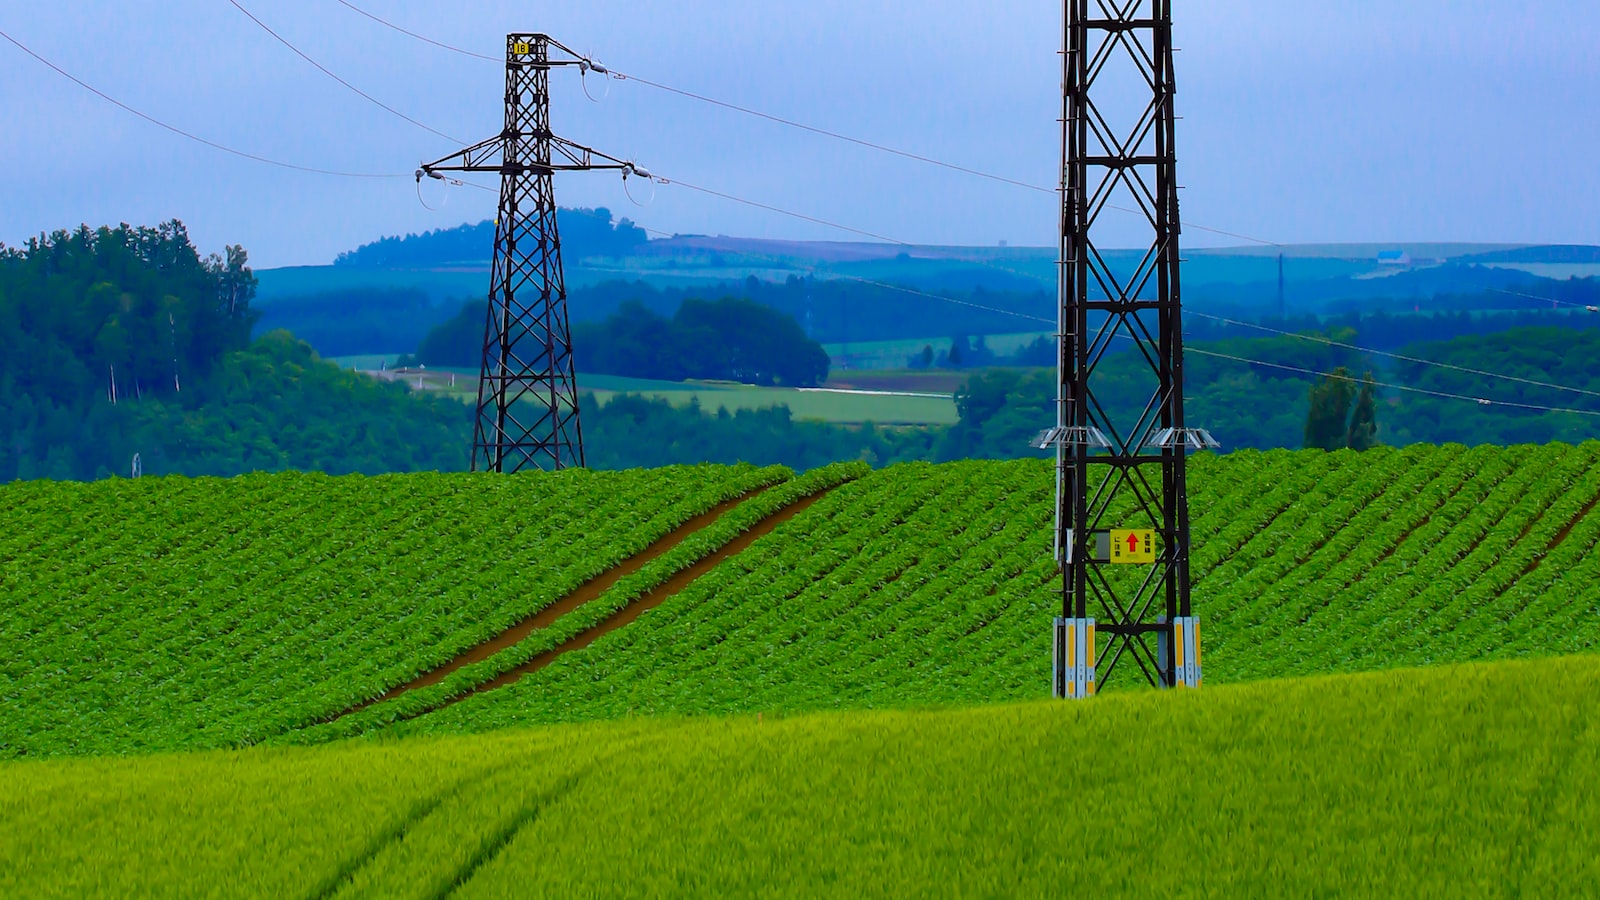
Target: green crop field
182 612
1450 781
1382 708
214 613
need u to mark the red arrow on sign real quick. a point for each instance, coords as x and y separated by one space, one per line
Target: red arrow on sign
1133 544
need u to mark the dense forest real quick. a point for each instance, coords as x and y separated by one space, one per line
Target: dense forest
1502 411
357 320
584 232
837 310
728 339
124 341
632 431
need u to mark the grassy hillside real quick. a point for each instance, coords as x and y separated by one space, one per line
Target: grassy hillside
193 614
1451 781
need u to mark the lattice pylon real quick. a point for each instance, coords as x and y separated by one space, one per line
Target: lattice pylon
1120 471
527 408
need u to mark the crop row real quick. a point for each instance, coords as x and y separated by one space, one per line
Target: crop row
166 613
285 599
628 590
921 585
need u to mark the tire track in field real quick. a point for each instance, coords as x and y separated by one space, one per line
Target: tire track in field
497 845
543 618
418 812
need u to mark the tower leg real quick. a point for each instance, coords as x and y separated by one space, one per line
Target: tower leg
1073 671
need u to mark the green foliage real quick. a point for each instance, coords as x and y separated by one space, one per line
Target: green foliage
1001 410
934 584
1564 357
277 406
1451 781
178 613
357 321
584 232
124 341
1330 422
169 612
76 306
1363 432
1330 409
729 339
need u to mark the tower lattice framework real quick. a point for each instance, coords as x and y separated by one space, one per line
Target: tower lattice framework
527 408
1122 516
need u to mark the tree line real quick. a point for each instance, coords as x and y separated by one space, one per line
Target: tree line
125 340
729 339
583 232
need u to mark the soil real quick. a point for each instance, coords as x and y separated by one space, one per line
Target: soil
649 600
590 590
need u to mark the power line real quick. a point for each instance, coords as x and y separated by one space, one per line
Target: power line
422 38
940 163
1398 387
1445 395
791 123
187 134
1403 358
328 72
906 154
1551 300
1306 337
782 212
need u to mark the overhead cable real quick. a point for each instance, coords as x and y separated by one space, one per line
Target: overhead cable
790 123
187 134
782 212
423 38
1198 351
1306 337
329 72
1318 339
1481 401
1550 300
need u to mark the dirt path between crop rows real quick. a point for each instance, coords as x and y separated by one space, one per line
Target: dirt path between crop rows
1560 537
650 600
589 591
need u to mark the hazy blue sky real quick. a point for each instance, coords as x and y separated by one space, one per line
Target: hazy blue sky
1310 121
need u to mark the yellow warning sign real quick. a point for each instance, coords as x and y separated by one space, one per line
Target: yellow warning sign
1133 545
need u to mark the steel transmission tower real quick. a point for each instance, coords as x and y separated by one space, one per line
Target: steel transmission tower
1122 516
527 412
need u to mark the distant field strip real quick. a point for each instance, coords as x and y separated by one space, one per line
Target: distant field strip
1469 781
170 613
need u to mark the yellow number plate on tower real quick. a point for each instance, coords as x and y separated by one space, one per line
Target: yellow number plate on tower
1133 545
